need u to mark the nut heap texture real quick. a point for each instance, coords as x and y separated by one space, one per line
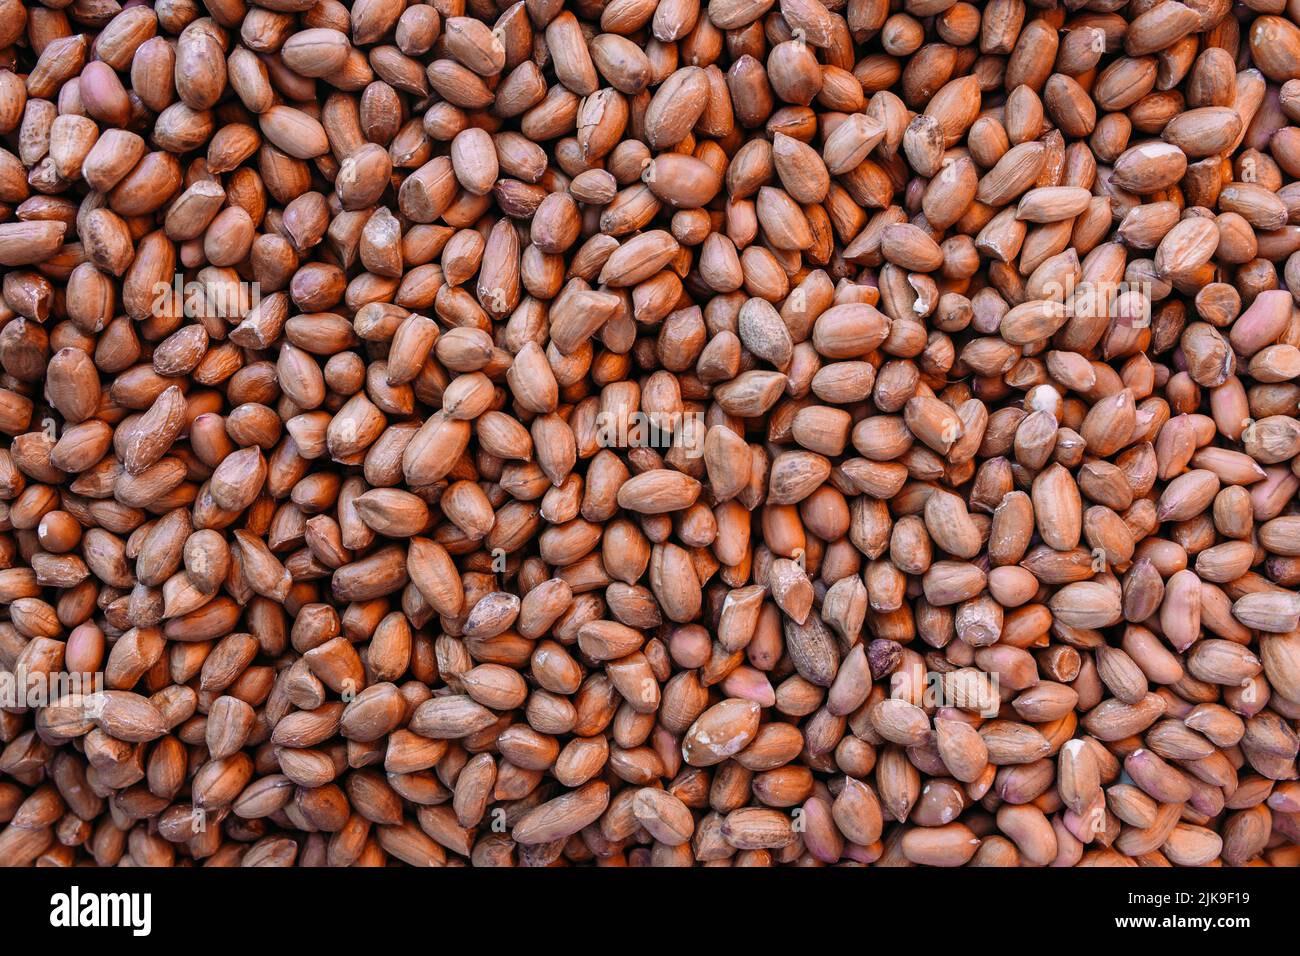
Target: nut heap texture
650 432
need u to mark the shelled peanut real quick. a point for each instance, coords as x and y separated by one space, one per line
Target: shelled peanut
649 433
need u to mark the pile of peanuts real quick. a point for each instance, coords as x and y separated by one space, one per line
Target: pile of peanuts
649 433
